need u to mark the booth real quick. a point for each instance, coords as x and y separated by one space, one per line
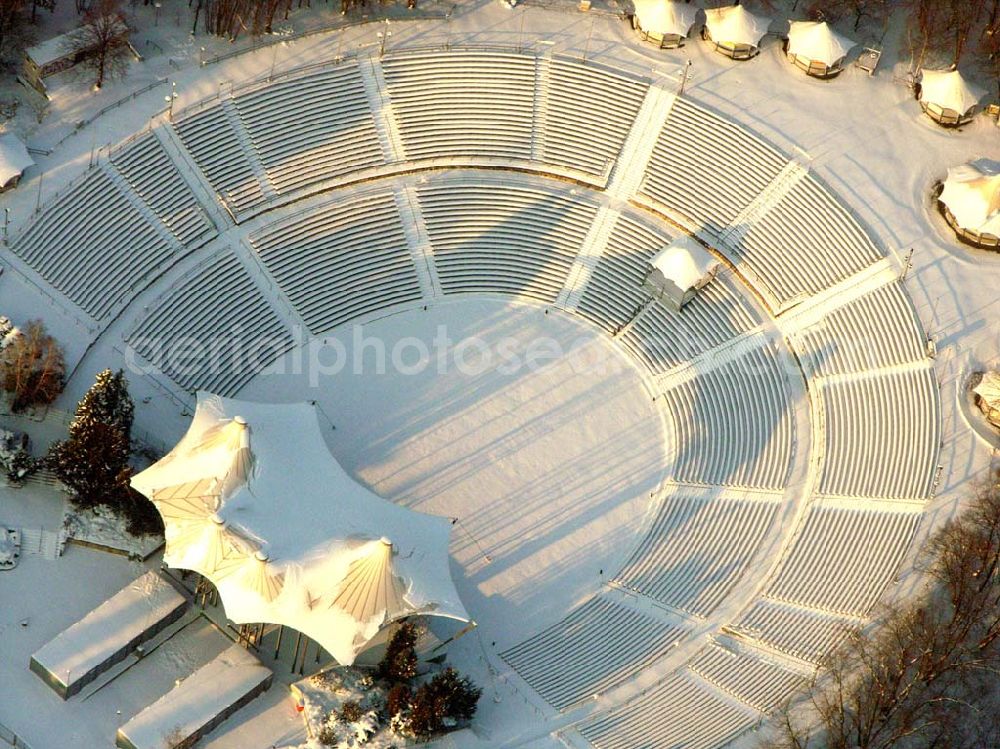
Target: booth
678 271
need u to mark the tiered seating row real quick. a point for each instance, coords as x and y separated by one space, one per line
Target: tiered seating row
663 339
882 435
843 558
805 243
504 239
213 331
588 116
596 647
312 128
216 147
760 684
706 168
150 171
679 712
697 550
875 331
462 103
733 425
807 634
93 244
341 260
614 291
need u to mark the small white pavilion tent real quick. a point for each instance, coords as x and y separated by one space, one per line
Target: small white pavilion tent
253 501
679 271
664 21
987 394
947 97
970 202
817 49
735 31
14 159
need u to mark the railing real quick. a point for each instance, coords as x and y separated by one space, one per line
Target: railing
12 738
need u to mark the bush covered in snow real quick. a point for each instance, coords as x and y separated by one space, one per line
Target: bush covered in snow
16 463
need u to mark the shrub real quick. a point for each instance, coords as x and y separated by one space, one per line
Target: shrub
400 660
16 463
32 367
351 712
398 700
447 696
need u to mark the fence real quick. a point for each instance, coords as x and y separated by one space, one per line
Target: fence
8 736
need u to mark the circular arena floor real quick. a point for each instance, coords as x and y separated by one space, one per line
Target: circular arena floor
530 427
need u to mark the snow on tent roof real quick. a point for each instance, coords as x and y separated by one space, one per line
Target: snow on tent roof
734 24
972 194
949 90
263 510
685 262
989 390
47 52
14 157
817 41
665 16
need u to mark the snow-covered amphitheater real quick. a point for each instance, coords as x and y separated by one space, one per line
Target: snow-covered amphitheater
657 550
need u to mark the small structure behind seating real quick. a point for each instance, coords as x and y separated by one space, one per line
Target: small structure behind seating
947 98
665 22
734 31
987 395
970 202
679 271
14 159
54 56
108 634
868 60
198 704
817 49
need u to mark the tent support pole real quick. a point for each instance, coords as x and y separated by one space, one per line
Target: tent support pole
295 656
277 647
302 663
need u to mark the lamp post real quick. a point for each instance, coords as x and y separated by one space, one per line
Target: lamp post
383 38
170 100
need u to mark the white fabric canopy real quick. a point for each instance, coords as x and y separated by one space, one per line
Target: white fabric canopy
14 158
972 194
947 89
684 262
817 41
252 499
665 17
989 390
734 24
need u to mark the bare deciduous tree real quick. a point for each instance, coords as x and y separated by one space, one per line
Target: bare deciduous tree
32 367
102 40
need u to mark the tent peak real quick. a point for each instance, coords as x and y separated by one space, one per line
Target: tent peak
240 420
217 519
261 556
385 540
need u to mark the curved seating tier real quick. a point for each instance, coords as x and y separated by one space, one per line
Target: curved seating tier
807 634
461 103
682 711
733 425
805 243
504 239
212 139
311 128
842 559
597 646
697 550
614 293
881 435
93 244
761 684
587 115
213 331
151 173
706 168
341 260
877 330
663 339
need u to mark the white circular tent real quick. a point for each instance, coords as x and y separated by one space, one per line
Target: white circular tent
970 202
817 49
253 501
947 97
735 31
14 159
987 394
664 21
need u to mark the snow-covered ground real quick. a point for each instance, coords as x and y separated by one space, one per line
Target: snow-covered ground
488 449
